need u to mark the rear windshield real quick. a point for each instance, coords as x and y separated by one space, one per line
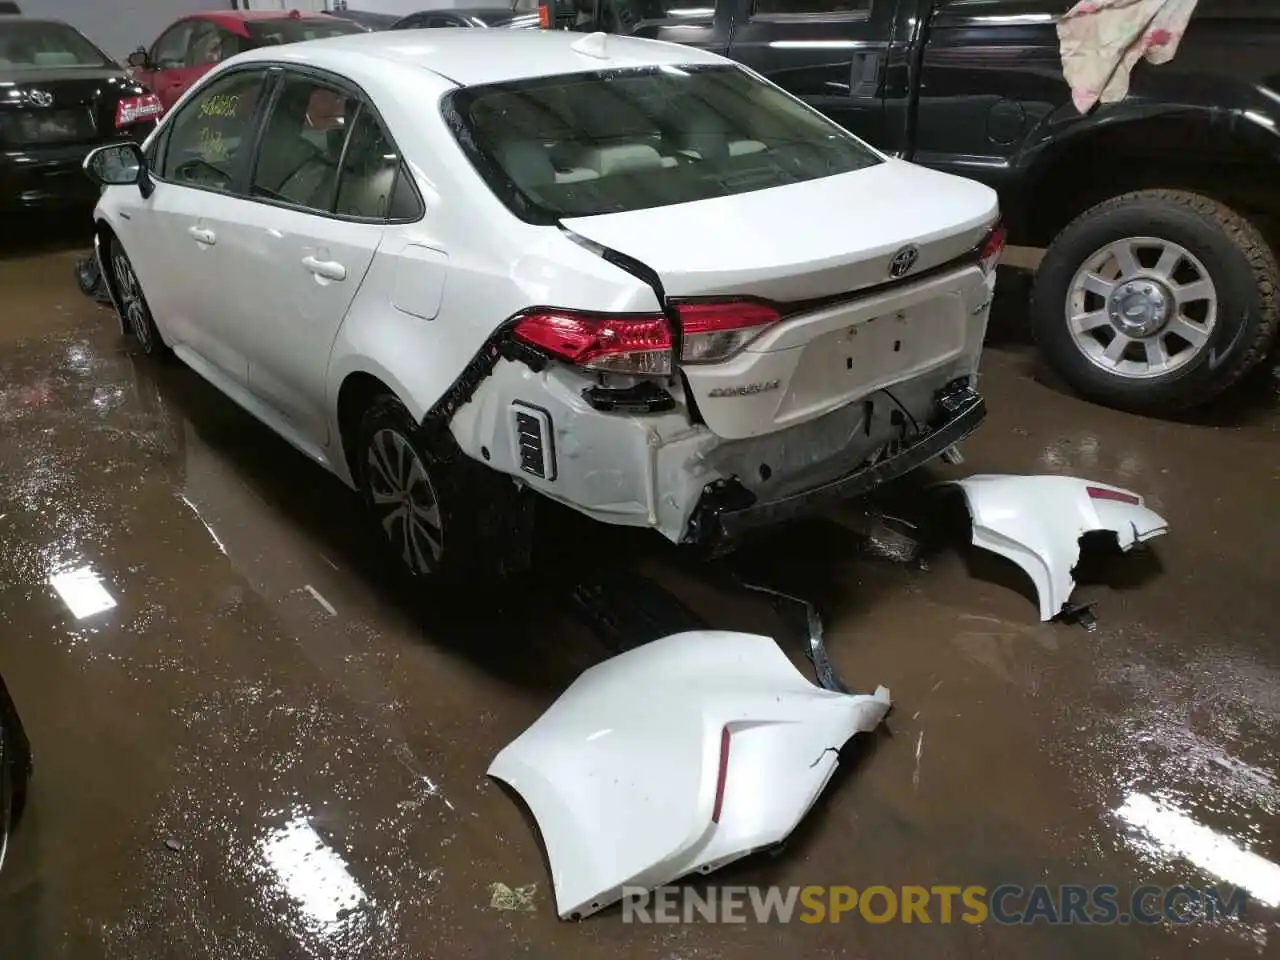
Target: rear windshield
40 45
585 144
287 30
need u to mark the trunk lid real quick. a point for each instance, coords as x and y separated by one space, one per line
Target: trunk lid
63 106
805 240
812 240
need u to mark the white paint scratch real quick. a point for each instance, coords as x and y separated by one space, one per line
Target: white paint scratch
915 776
320 600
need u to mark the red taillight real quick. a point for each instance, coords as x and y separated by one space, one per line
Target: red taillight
1105 493
544 16
717 330
135 109
993 247
722 776
635 344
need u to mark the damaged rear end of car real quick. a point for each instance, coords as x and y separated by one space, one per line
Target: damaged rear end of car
817 317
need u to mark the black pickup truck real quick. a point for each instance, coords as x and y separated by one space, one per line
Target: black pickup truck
1159 287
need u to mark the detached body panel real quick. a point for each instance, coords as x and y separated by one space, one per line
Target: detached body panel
1037 522
678 756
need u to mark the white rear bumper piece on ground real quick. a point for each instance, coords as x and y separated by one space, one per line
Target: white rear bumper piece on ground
677 757
1037 522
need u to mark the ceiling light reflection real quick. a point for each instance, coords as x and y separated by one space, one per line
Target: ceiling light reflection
1175 833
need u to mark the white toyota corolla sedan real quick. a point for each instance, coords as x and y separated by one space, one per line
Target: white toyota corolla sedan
459 268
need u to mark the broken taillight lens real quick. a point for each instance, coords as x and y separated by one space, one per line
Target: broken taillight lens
1119 496
638 344
136 109
993 248
717 330
723 774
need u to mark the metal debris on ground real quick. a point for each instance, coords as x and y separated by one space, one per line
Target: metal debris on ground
1080 614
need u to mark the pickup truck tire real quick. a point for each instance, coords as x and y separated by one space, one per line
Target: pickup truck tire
1112 296
438 515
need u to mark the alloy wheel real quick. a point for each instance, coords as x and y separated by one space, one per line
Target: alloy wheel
404 501
1141 307
130 293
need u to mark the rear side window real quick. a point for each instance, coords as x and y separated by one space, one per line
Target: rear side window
370 172
209 139
324 149
586 144
302 144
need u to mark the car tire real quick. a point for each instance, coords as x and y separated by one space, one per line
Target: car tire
135 314
1113 291
438 515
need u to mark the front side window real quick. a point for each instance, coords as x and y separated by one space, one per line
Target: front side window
210 45
302 144
265 33
209 138
40 45
170 52
609 142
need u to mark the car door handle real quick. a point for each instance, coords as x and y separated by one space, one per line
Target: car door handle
329 269
202 236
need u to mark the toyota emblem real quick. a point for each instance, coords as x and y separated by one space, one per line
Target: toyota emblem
903 261
41 98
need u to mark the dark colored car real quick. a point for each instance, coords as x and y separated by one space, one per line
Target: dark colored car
15 768
468 17
60 96
367 19
1160 213
194 45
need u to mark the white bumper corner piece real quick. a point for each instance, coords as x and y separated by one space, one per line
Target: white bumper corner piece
679 756
1037 522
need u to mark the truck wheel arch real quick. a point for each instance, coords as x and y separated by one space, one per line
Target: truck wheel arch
1131 146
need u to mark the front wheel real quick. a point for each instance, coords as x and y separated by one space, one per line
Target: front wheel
1156 301
135 314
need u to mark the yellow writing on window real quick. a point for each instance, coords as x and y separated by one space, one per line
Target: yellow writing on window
221 105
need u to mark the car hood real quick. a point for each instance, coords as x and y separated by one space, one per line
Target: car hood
805 240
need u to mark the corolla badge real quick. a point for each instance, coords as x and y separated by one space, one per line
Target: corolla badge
746 390
41 98
903 261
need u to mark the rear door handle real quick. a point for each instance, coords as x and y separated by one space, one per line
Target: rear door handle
202 236
329 269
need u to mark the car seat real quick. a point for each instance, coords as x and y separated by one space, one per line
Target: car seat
290 166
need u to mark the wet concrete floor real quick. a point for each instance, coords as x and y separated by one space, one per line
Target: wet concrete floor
262 751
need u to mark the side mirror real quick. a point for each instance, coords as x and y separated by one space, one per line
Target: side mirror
118 165
139 59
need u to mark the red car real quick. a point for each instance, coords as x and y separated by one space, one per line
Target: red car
195 44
